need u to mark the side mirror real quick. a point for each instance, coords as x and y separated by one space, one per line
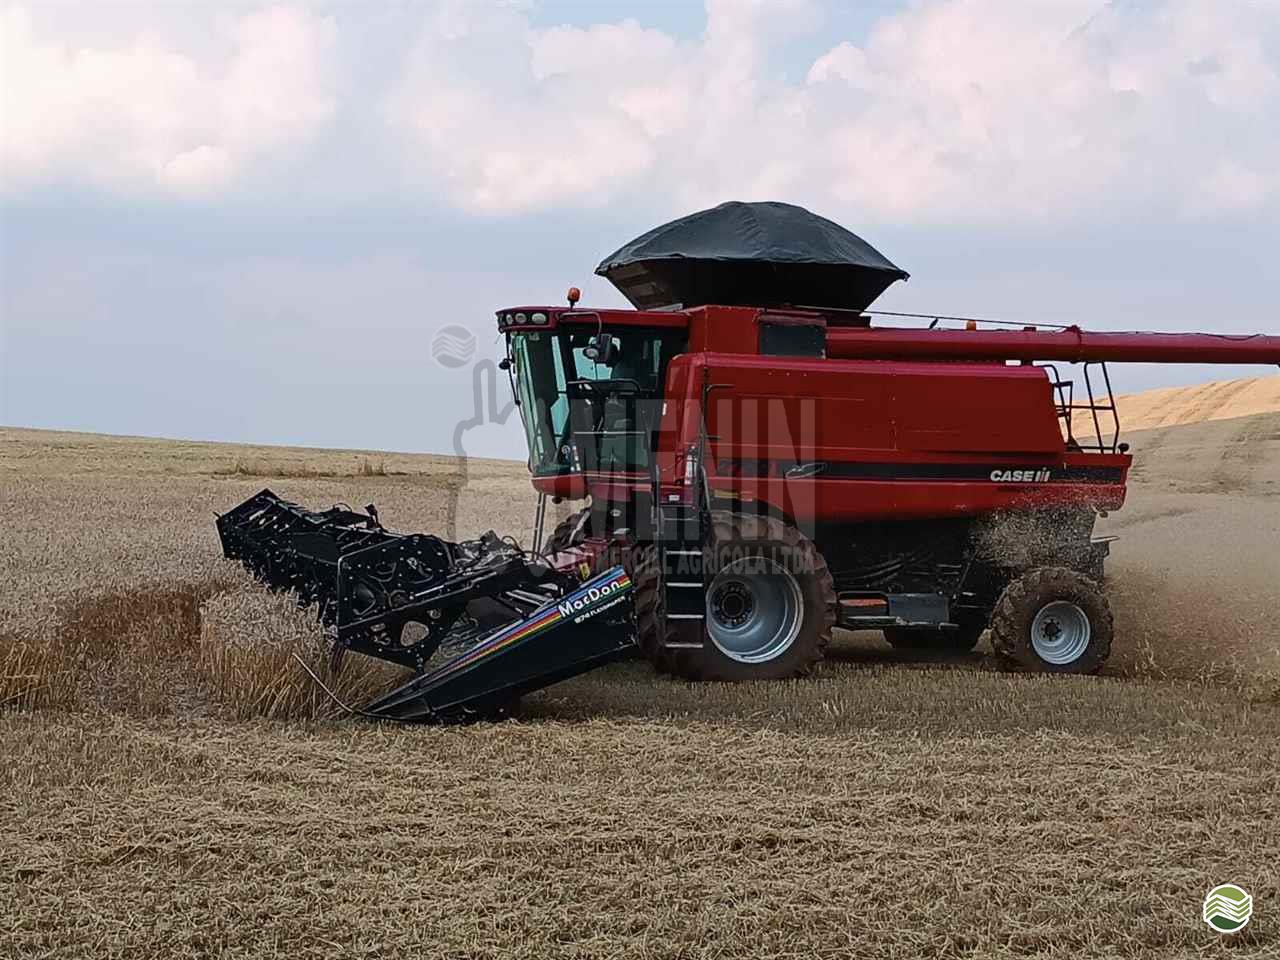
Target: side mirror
602 349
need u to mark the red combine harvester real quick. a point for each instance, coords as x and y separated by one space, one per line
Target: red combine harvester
761 463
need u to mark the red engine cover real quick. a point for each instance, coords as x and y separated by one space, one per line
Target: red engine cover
860 440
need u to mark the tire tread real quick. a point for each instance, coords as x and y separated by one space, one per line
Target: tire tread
1010 621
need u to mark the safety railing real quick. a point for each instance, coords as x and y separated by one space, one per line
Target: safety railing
1103 416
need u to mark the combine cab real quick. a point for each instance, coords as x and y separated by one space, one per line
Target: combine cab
760 462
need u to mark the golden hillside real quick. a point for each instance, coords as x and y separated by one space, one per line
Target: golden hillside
1219 400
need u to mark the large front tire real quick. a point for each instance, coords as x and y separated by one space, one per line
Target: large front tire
770 606
1053 620
650 612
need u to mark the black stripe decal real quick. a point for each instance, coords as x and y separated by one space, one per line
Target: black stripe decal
971 472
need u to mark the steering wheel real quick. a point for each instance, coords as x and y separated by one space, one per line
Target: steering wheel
601 388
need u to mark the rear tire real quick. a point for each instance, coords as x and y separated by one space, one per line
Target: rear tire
1053 620
770 606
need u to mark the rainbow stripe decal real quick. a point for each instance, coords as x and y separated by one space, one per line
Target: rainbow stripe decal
590 599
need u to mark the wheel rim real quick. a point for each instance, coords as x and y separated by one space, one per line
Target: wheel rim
754 610
1060 633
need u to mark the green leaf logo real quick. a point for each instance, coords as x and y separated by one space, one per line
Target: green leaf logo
1227 908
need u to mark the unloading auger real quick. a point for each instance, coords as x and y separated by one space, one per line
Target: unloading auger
507 622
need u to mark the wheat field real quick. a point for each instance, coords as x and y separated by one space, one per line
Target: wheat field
174 786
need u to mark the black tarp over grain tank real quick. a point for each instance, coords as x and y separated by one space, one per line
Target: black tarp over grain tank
757 254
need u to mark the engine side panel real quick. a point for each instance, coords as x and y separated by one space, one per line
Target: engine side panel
861 440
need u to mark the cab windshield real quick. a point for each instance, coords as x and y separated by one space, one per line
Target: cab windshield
568 398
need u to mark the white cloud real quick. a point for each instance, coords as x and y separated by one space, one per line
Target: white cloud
513 118
1042 109
147 114
947 110
950 109
203 168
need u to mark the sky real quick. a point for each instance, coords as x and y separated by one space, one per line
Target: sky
248 222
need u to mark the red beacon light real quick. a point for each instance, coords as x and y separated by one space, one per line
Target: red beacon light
574 296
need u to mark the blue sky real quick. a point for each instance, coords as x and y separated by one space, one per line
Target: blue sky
247 222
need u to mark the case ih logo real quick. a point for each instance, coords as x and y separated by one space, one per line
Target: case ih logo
1021 476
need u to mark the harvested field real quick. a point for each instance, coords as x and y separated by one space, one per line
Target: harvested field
886 808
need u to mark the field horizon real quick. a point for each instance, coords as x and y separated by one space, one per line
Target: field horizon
1142 410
